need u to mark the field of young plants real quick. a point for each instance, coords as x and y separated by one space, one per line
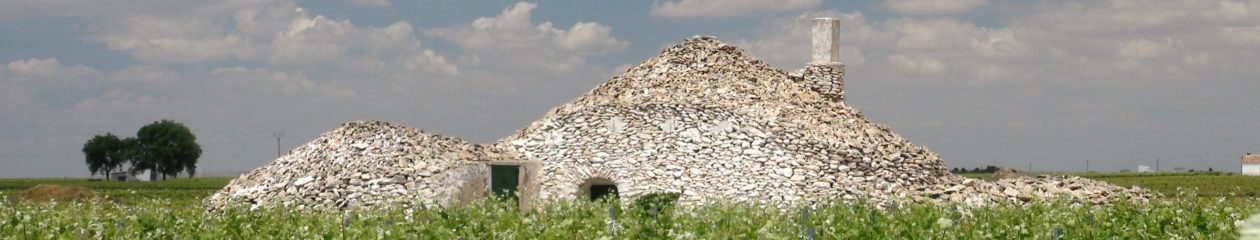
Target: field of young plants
171 210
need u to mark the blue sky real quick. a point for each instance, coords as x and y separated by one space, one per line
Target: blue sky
1052 83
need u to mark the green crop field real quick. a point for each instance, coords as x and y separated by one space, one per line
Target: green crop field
172 210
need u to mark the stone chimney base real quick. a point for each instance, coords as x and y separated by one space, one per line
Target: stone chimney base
826 79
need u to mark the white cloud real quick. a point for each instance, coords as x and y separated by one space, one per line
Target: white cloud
1139 16
1142 48
111 100
275 33
933 34
288 84
727 8
918 64
371 3
1244 36
154 77
312 41
46 70
932 7
35 66
15 9
999 43
512 41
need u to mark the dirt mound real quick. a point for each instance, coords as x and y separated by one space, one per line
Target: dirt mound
58 193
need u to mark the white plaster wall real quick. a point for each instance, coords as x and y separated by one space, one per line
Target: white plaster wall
1251 169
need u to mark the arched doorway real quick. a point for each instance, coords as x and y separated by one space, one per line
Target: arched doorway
598 188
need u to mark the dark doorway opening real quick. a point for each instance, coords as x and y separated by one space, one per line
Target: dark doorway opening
599 191
504 180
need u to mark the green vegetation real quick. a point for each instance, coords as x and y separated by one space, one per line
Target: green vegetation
172 210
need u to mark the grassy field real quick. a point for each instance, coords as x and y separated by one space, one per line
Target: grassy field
172 210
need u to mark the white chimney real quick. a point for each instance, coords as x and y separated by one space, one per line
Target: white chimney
826 40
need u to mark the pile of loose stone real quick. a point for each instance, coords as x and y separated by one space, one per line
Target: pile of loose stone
1024 189
361 163
709 121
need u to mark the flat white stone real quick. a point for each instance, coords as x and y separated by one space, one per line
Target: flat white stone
303 181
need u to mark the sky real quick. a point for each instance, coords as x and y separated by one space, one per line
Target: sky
1051 84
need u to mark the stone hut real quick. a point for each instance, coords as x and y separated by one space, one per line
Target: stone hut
703 119
709 121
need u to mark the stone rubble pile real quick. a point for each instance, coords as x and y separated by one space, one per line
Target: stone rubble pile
703 119
361 163
709 121
1025 189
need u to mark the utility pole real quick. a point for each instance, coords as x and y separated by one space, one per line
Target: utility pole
1087 165
278 137
1029 166
1156 164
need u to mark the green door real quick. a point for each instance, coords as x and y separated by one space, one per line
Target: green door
504 179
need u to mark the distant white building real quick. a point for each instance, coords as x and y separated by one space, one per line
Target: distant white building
143 176
1251 165
1144 169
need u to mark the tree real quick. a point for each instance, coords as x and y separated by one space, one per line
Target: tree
96 153
127 152
167 148
104 153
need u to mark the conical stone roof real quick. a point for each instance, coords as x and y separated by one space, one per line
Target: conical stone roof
361 163
708 120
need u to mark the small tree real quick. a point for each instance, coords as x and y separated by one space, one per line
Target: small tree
166 147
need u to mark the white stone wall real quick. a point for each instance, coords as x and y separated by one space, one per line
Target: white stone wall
715 154
1251 169
702 152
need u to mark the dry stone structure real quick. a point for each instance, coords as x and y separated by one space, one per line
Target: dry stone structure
703 119
365 163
